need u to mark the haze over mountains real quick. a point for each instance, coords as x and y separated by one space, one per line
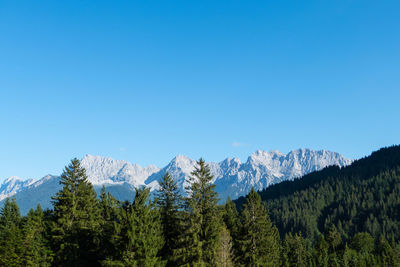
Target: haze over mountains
231 177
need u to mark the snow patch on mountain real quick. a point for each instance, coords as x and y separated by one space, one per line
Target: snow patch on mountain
231 177
263 169
103 170
12 185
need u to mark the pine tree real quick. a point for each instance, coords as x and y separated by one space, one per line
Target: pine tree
232 222
76 224
321 254
203 218
231 217
295 250
259 239
169 202
11 240
119 237
333 238
386 253
36 247
188 248
350 257
144 233
362 243
110 236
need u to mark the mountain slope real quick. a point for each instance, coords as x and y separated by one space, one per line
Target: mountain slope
362 197
232 178
38 192
102 170
263 169
13 185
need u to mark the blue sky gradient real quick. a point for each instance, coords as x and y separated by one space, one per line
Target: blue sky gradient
147 80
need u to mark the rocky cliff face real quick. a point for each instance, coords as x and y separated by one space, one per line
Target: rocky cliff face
231 177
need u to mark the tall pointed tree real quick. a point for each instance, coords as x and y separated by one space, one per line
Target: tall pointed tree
110 236
321 252
232 222
295 251
386 254
204 220
144 233
260 244
333 238
11 240
36 247
169 203
76 219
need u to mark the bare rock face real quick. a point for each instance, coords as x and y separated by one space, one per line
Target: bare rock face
263 169
13 185
231 177
102 170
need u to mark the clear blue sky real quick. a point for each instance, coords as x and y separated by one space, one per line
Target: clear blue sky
147 80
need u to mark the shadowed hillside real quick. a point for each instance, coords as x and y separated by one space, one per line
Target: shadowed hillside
364 196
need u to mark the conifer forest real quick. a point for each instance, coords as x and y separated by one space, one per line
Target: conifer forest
346 216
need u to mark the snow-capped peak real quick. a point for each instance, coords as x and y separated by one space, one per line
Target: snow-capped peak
264 158
104 170
181 160
229 162
231 177
12 180
13 184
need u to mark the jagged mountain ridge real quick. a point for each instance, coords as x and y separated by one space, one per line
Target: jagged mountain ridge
231 177
13 185
103 170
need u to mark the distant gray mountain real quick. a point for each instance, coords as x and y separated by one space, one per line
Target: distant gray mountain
13 185
231 177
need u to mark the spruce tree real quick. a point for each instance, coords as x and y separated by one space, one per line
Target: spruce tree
295 251
386 253
110 236
350 258
36 246
259 239
362 243
76 224
11 239
231 217
232 222
321 252
333 238
169 202
203 217
144 233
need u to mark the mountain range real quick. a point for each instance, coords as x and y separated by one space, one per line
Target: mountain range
231 177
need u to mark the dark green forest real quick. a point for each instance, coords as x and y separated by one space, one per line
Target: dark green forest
334 217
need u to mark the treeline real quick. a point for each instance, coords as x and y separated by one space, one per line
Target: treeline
172 230
363 197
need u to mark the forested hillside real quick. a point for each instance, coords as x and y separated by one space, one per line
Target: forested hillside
363 197
334 217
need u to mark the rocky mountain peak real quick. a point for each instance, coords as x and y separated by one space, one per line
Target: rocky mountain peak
231 177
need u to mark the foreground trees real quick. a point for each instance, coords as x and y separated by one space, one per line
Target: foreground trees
11 238
76 219
259 239
36 245
203 225
169 203
362 197
171 230
144 232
